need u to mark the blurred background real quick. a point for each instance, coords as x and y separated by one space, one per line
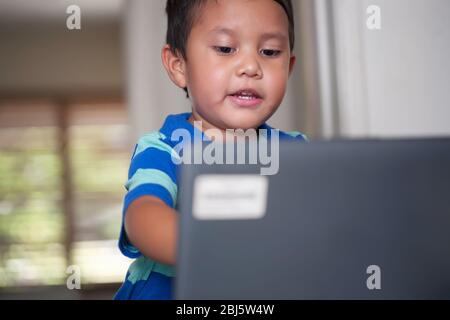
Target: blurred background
74 102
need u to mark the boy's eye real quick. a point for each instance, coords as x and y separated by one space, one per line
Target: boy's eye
228 50
270 53
224 50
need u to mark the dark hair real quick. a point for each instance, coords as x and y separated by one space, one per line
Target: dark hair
182 14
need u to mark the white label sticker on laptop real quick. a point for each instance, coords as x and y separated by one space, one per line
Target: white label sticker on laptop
230 196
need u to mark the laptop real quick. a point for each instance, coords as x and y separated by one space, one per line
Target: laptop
340 220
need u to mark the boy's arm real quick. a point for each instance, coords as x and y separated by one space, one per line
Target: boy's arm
152 227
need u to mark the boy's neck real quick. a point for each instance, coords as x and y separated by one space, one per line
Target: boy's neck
228 135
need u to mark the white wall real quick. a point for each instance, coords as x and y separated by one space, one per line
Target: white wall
393 82
151 94
408 69
47 58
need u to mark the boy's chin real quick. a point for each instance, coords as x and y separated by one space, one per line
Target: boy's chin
245 119
243 124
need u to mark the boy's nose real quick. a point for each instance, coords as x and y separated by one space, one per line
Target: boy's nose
250 66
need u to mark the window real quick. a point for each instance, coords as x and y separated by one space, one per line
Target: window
62 170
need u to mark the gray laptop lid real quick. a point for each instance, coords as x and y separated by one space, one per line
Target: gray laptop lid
341 220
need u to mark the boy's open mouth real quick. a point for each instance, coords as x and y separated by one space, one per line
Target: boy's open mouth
247 94
246 98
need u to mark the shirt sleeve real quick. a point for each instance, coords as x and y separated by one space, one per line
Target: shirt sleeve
297 135
152 172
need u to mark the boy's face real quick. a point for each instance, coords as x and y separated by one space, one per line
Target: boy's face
237 45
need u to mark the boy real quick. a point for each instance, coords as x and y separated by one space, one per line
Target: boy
233 59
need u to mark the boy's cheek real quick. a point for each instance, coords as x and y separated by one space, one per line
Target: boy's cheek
276 83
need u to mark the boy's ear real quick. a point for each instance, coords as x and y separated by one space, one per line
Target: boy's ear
175 66
292 62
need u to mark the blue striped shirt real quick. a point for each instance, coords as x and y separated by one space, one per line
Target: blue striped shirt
152 172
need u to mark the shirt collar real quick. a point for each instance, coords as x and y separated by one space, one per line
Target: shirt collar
180 121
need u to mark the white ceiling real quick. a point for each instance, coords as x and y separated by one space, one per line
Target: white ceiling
32 11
